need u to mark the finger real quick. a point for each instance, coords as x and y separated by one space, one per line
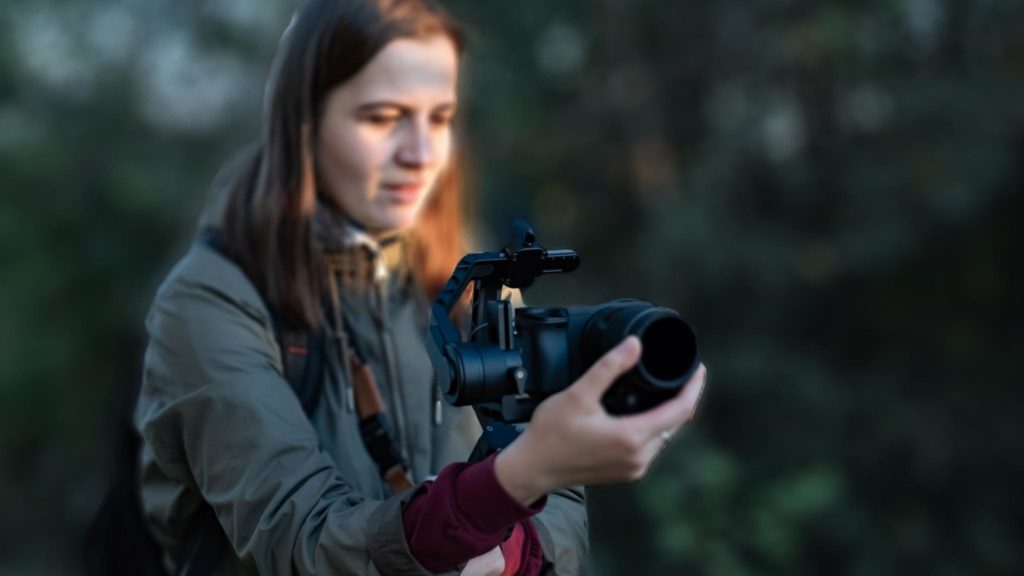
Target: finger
672 414
651 451
617 361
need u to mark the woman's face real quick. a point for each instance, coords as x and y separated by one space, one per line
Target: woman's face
385 134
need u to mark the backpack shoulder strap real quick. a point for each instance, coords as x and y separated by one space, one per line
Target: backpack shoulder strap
302 358
301 351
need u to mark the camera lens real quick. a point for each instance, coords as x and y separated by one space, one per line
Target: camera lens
668 359
669 350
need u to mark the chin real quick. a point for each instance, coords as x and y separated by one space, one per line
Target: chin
394 222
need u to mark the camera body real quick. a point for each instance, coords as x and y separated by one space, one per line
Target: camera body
514 359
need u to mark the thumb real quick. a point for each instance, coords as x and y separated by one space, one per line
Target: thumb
616 362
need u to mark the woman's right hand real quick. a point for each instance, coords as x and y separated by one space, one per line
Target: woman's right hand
572 440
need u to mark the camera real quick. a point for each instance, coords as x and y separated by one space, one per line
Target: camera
515 358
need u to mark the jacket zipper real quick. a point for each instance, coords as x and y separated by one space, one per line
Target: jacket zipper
380 282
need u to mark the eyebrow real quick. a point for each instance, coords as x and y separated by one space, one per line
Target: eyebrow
369 106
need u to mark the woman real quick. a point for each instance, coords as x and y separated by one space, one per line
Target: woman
352 192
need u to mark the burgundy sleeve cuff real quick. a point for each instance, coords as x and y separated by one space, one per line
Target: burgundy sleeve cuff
522 551
462 514
532 554
485 504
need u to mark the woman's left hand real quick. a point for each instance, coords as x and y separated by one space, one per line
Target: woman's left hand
490 564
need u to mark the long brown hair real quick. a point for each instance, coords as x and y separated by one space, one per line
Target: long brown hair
268 217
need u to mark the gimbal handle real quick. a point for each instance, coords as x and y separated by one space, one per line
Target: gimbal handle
490 270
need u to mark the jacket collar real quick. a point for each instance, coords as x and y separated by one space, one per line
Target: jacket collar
346 244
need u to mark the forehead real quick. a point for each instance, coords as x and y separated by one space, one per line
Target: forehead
407 69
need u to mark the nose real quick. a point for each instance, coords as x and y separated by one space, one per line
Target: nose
417 147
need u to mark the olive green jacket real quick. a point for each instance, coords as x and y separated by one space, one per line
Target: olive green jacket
295 495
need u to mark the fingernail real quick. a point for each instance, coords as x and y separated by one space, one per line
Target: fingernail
700 395
626 348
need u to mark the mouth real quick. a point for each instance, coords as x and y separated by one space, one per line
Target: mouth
403 192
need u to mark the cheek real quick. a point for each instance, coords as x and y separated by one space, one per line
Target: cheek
348 161
357 157
445 144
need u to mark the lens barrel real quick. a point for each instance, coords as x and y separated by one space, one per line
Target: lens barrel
668 360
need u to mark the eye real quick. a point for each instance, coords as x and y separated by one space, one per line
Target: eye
381 118
442 119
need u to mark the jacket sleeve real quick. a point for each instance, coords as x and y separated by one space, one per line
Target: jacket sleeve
219 418
562 527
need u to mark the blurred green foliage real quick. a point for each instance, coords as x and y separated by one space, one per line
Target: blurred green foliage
830 191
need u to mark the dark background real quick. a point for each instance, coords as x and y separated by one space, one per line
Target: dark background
829 191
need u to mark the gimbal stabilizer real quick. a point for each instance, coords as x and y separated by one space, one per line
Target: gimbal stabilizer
514 359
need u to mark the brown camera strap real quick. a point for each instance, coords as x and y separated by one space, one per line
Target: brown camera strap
365 394
369 404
